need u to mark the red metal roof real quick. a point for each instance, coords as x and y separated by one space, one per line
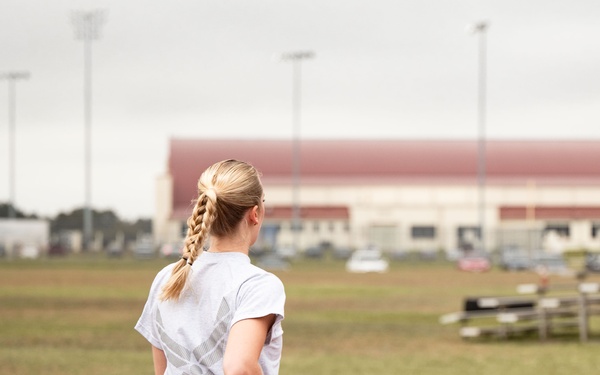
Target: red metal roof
550 212
308 212
388 161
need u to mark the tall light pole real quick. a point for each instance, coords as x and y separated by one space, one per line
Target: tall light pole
12 77
296 59
480 29
87 28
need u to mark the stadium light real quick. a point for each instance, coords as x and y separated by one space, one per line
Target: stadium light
87 28
480 29
296 58
12 77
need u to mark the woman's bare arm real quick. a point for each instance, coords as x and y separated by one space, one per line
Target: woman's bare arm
245 342
160 361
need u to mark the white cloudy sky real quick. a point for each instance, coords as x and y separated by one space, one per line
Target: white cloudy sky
401 69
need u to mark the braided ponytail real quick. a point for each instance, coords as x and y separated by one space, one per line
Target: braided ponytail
199 224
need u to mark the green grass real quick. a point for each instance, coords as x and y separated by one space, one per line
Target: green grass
76 315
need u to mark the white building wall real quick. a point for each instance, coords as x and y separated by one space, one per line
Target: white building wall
446 207
24 237
580 233
442 206
162 231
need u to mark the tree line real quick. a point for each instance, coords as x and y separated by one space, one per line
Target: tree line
107 222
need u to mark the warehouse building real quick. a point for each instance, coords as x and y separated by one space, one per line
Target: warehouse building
403 195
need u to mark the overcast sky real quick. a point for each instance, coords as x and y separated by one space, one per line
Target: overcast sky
204 68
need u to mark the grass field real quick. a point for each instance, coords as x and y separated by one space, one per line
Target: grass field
76 316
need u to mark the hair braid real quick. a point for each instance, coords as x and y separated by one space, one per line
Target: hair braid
199 224
194 223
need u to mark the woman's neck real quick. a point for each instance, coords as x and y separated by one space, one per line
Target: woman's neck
228 245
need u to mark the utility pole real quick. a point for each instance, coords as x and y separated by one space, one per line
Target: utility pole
87 28
296 59
12 77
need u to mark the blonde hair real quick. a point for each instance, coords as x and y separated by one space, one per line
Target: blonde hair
226 191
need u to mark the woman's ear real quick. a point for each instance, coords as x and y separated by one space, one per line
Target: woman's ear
254 217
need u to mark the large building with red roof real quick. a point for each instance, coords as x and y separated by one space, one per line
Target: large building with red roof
403 194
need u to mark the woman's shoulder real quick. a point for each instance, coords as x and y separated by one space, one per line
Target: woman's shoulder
261 276
166 270
163 275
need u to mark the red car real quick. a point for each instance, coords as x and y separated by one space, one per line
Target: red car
474 263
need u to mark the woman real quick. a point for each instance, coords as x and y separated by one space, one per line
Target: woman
212 311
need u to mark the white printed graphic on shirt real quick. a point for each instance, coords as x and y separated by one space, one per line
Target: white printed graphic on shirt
207 353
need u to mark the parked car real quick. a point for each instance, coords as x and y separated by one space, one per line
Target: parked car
398 255
273 262
453 255
553 264
144 249
285 252
55 249
29 251
342 252
114 250
592 262
314 252
363 261
516 262
474 263
171 250
514 258
428 254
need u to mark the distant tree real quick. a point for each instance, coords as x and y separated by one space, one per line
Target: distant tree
5 208
67 221
133 229
106 222
143 225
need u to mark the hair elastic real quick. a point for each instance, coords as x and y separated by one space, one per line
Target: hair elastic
186 259
211 193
